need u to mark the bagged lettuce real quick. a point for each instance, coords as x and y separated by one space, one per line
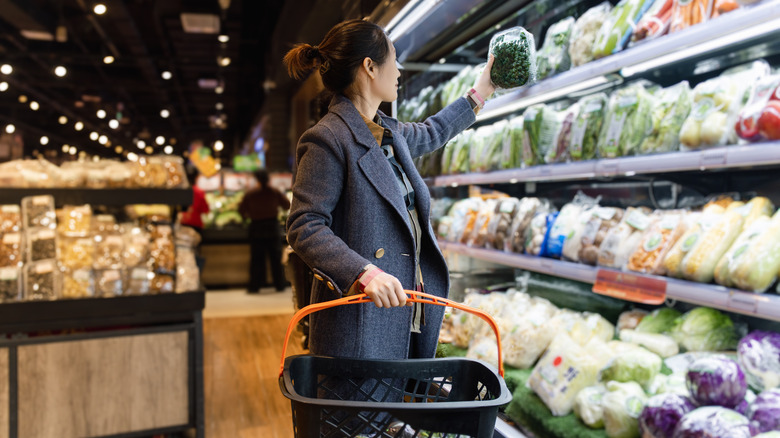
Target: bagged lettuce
671 107
559 150
553 56
584 33
587 126
622 404
460 152
532 127
513 144
627 122
588 407
617 28
552 123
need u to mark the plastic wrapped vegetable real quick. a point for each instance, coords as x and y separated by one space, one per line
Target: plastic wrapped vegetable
563 370
622 404
499 228
630 319
587 126
696 224
659 344
655 22
726 268
478 234
566 222
627 122
478 148
705 329
637 365
553 56
552 123
528 334
763 93
595 231
659 320
764 412
716 380
662 413
617 28
460 154
573 243
495 145
515 58
712 422
559 150
758 354
671 107
699 263
686 13
521 223
584 33
757 269
513 144
532 127
656 242
622 240
538 233
588 408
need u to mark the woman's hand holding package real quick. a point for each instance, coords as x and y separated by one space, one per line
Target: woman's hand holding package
484 86
386 291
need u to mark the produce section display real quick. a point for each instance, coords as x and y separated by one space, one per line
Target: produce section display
73 253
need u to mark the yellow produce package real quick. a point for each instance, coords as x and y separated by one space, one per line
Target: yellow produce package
699 263
758 269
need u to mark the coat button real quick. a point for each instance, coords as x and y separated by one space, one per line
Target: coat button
330 286
318 277
380 253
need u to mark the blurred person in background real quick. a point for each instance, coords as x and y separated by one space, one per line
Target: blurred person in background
261 205
193 216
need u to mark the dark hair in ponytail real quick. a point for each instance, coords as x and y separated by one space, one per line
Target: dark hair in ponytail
339 54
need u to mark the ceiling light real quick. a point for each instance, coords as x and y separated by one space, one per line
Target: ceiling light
149 150
118 149
141 144
100 9
34 105
165 113
44 140
219 89
108 59
102 139
167 75
168 149
224 61
63 120
6 69
65 148
9 128
72 150
113 123
160 140
218 145
22 98
132 156
78 126
3 86
60 71
223 38
101 114
93 136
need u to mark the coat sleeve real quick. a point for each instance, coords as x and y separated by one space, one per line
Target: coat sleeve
438 129
316 193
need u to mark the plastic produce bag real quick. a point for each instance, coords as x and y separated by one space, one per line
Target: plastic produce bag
528 334
460 153
599 224
705 329
618 244
628 121
712 421
617 28
659 344
553 56
513 144
588 408
532 128
688 13
552 123
758 354
622 404
478 234
478 147
587 126
660 320
699 263
515 58
521 222
748 121
584 33
636 365
757 269
538 232
671 107
654 23
566 222
726 268
499 228
696 224
656 242
563 370
559 150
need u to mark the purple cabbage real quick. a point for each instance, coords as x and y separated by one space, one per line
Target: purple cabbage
662 413
712 422
716 380
759 356
764 412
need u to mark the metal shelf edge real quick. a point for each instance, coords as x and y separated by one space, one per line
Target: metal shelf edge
765 306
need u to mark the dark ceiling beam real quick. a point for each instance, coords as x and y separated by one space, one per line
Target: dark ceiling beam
26 16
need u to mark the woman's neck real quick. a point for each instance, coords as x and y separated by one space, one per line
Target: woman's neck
365 106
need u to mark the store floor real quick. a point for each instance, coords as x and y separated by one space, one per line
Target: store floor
243 336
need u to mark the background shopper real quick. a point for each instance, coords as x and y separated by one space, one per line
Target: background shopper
261 205
360 210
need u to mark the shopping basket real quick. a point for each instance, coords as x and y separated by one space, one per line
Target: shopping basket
426 398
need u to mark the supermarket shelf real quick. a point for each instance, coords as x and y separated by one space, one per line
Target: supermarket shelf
761 305
764 154
735 28
108 197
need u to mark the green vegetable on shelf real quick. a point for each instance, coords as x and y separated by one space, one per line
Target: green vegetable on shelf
587 126
658 321
532 126
553 57
705 329
616 30
627 122
515 58
671 108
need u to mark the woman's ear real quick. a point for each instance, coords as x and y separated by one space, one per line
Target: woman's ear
369 67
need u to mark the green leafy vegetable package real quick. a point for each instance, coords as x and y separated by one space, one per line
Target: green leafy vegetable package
515 58
553 56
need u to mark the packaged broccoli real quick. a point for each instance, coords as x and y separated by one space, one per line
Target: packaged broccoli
672 106
553 56
627 122
587 126
618 27
515 58
584 33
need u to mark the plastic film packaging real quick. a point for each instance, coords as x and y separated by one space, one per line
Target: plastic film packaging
621 240
584 33
622 405
521 223
10 219
566 222
75 220
659 344
588 407
585 130
515 58
478 235
699 263
499 228
10 284
78 284
627 121
726 269
618 27
41 280
695 224
671 107
687 13
528 334
559 150
655 22
11 246
553 56
38 211
758 268
599 223
656 243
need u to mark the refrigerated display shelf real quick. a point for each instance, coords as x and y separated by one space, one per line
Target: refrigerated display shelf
718 36
107 197
733 300
729 157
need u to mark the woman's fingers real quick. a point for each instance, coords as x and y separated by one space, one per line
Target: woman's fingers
386 291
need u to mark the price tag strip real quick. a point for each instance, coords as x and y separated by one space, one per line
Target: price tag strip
630 287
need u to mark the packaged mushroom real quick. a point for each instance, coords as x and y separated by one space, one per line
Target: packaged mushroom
41 280
38 211
77 284
10 282
10 218
41 244
603 220
499 227
11 250
522 221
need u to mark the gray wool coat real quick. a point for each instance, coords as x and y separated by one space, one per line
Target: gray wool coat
347 211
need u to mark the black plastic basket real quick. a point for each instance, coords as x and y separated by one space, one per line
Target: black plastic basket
426 398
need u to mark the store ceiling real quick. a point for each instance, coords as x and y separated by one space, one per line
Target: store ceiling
146 38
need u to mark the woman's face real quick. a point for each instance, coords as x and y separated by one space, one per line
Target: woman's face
385 84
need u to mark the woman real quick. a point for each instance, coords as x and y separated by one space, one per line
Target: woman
360 210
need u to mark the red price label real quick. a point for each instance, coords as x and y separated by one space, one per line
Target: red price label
630 287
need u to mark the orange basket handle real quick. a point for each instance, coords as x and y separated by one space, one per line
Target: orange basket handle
413 297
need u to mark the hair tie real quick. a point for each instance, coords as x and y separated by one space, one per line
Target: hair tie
324 67
313 52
